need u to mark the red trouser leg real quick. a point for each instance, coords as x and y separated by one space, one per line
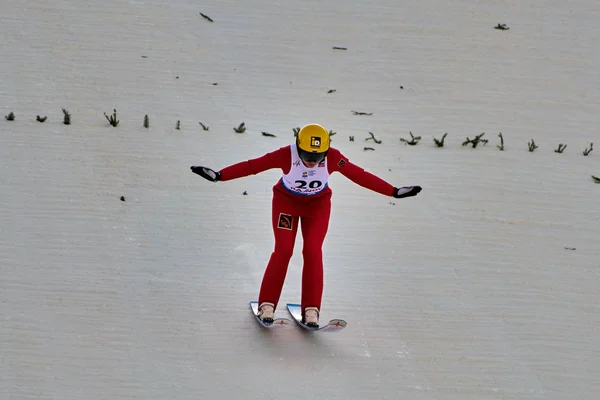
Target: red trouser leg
314 229
285 226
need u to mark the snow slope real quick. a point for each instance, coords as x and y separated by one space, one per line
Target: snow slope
485 286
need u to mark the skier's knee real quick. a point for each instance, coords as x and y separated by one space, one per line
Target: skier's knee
312 252
284 253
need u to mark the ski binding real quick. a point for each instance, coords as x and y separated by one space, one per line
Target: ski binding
333 326
277 322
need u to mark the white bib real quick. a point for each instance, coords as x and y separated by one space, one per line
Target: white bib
303 180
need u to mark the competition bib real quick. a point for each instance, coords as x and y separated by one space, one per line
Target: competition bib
303 180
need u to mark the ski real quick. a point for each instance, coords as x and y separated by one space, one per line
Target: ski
333 326
277 323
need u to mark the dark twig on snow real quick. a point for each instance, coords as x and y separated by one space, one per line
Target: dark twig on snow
351 138
241 128
561 148
368 148
413 141
502 27
40 119
204 127
373 138
66 117
268 134
339 48
178 125
331 91
501 145
206 17
440 142
588 151
113 118
475 141
532 146
360 113
10 116
146 121
596 179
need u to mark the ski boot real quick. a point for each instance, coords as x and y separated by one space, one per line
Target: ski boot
266 312
311 317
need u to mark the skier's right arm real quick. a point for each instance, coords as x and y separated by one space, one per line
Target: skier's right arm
279 158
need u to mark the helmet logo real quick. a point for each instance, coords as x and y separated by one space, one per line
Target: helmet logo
315 142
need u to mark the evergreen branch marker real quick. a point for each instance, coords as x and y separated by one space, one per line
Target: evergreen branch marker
373 138
501 145
561 148
206 17
113 118
66 117
241 128
475 141
440 142
532 146
413 141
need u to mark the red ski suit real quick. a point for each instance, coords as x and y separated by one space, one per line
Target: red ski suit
312 211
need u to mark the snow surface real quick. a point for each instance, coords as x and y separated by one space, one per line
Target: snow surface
469 291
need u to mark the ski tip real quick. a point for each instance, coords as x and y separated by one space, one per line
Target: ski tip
295 310
254 306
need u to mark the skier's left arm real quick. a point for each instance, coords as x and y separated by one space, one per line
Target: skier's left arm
338 162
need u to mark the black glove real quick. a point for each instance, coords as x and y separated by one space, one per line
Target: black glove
406 191
206 173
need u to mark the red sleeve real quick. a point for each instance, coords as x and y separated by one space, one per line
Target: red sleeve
280 158
337 162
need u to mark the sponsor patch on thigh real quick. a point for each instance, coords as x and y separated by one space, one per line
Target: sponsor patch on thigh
285 221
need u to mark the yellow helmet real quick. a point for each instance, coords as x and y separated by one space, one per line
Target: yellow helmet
312 142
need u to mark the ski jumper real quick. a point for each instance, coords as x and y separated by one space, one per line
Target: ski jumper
302 195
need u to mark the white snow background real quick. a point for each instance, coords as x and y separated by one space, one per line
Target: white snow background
484 286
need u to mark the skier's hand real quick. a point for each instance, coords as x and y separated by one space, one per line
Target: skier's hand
406 191
206 173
